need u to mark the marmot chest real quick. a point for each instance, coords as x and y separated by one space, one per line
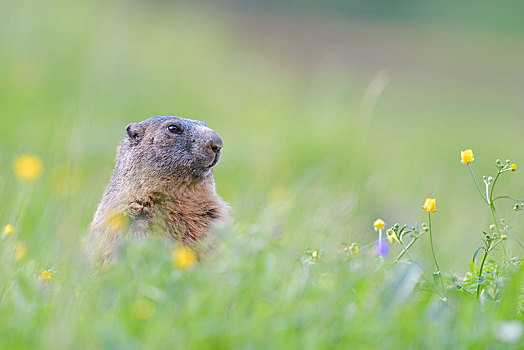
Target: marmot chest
187 219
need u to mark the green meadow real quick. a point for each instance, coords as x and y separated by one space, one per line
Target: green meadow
329 121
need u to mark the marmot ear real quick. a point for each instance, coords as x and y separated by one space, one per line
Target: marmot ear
135 132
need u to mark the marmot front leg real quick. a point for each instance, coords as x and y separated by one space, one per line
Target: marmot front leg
140 214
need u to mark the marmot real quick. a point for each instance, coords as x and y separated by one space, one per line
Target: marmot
162 185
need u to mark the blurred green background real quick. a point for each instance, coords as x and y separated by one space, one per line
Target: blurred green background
332 115
364 105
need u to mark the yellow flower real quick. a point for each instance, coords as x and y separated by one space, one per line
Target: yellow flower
353 248
314 254
513 167
466 156
184 257
143 309
45 276
430 204
392 237
20 251
115 221
379 223
28 167
8 229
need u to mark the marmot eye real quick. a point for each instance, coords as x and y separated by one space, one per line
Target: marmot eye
174 129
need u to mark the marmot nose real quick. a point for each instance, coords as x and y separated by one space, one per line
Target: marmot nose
216 143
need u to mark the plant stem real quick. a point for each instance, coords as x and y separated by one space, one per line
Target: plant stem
507 197
516 240
433 251
406 250
486 252
5 288
476 183
407 247
431 242
490 201
492 208
420 267
371 244
480 271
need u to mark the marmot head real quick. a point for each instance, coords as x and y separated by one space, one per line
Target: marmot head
171 146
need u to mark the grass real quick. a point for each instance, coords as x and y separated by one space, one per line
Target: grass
302 168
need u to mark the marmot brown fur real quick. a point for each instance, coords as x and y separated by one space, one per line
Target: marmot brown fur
162 185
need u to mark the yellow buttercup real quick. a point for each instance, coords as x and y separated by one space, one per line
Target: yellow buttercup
466 156
430 205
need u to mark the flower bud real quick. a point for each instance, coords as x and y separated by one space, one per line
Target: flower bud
466 156
392 237
378 224
353 248
430 205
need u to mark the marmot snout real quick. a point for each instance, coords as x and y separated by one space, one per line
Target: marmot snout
162 184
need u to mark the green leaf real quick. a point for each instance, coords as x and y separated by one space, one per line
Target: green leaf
476 253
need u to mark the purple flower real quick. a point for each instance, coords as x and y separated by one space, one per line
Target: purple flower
382 248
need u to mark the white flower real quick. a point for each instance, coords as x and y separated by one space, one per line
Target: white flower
509 331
